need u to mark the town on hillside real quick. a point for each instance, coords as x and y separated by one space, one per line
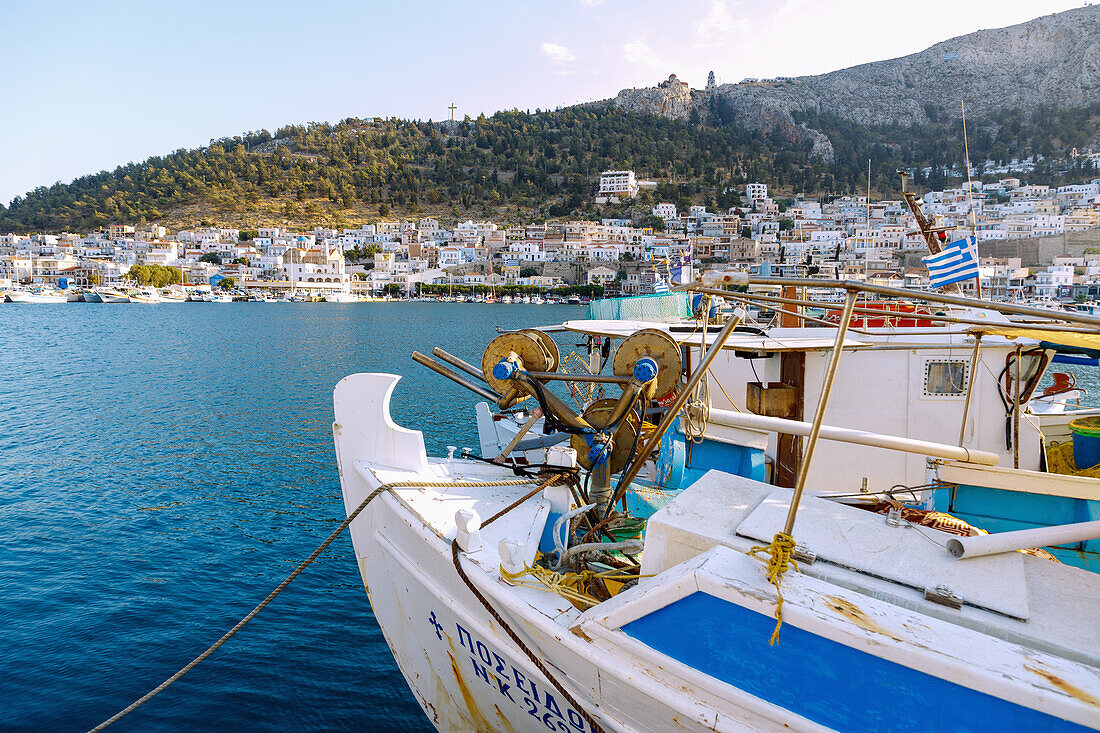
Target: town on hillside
1034 242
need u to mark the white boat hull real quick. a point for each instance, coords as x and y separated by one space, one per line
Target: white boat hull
36 298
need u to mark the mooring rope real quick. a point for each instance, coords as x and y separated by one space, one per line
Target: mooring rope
298 571
779 553
585 715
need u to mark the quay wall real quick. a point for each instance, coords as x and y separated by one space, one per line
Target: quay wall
1041 251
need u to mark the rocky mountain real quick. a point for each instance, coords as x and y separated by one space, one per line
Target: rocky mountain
1052 61
1031 92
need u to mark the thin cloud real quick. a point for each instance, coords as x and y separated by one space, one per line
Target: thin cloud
558 53
639 52
719 22
591 3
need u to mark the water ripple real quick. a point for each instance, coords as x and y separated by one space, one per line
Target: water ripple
163 468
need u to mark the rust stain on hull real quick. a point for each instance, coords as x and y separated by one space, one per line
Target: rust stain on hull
856 615
1071 690
481 723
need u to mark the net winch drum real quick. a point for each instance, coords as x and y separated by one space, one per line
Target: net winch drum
657 345
523 349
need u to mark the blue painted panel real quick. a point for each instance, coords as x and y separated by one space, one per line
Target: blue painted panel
739 460
997 510
819 679
1037 510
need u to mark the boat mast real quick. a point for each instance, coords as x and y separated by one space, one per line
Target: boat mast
923 225
970 198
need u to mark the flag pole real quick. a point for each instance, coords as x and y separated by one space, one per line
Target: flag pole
970 200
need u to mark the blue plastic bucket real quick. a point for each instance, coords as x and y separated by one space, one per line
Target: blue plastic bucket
1086 441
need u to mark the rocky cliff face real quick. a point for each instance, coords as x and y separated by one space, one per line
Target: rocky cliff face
1053 60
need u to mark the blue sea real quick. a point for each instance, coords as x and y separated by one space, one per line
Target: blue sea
162 468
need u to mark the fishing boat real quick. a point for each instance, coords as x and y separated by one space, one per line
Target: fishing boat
112 295
146 295
573 595
74 295
173 295
341 297
36 295
92 296
221 297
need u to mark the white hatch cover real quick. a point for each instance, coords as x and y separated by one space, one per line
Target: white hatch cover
910 555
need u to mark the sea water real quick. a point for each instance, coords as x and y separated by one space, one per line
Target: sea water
162 468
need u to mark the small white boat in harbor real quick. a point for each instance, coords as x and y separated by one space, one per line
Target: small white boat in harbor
36 295
144 295
91 296
341 297
220 298
74 295
112 295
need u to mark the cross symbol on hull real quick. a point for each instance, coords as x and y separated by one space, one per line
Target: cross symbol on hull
435 623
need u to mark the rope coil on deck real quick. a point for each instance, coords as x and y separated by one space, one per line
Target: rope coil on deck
569 586
298 571
779 561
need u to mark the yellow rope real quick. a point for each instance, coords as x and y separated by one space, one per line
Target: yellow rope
569 586
779 552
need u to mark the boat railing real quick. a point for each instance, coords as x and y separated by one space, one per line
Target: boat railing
1083 324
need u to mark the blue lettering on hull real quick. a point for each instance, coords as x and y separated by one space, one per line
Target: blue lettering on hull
493 669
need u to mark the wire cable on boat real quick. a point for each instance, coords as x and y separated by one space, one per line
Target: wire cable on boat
298 571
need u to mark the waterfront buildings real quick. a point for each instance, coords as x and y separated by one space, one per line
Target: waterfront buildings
848 235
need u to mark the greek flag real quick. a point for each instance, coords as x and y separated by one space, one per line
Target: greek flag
660 286
954 264
676 273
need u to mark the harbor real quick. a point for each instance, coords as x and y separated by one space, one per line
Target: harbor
191 458
618 376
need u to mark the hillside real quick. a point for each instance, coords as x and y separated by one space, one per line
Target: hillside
1032 89
1052 62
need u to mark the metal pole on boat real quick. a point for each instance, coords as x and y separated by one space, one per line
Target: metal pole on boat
931 297
454 377
970 385
819 416
673 410
1016 413
456 362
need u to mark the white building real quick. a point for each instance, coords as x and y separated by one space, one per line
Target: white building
601 276
755 191
1049 280
616 185
665 211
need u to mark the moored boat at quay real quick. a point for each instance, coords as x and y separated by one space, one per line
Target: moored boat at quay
528 605
36 295
112 295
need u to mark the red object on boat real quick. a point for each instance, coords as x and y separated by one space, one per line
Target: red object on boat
896 314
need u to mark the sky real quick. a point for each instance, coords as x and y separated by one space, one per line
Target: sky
87 86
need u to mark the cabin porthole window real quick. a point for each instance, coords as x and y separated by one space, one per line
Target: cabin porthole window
946 378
